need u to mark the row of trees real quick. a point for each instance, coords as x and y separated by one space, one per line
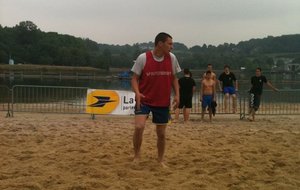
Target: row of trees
25 43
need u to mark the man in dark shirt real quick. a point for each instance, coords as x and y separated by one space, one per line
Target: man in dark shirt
256 90
227 86
187 87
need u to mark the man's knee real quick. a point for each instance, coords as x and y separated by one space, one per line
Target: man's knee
139 126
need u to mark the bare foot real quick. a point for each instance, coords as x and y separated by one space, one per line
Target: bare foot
186 122
136 160
163 165
175 120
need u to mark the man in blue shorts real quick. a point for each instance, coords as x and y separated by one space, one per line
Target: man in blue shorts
228 85
207 94
154 76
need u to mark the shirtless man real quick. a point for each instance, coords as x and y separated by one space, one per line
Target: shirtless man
207 94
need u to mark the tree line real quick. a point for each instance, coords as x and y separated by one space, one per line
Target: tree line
26 43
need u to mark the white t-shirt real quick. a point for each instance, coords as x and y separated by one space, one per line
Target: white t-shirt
140 62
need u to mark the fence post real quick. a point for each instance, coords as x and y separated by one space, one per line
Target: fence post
12 101
9 113
242 105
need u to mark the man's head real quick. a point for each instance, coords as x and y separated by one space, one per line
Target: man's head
226 68
208 74
164 42
258 71
209 67
186 72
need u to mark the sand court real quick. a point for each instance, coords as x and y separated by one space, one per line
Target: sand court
64 151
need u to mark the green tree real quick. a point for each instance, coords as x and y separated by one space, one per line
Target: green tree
107 60
26 32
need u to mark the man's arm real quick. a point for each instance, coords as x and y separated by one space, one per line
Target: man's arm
271 86
194 89
175 86
214 91
220 85
135 89
236 85
194 86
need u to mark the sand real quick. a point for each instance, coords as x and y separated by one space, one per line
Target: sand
52 151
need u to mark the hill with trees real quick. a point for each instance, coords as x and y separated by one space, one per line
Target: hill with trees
27 44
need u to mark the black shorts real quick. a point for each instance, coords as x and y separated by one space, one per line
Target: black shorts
160 114
254 101
185 102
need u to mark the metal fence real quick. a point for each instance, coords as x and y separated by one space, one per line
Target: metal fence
58 99
284 102
5 99
48 99
220 104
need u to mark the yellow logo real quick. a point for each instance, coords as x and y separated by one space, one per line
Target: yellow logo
102 101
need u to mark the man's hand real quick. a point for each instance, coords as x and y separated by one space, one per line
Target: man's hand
175 102
138 97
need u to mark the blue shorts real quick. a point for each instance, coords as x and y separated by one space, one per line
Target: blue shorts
229 90
206 101
161 115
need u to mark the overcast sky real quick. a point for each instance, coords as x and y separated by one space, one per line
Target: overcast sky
192 22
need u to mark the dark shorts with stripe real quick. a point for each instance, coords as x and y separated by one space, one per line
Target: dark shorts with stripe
254 101
160 115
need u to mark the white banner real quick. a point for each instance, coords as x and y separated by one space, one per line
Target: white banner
110 102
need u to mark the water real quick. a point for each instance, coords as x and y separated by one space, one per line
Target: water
113 84
281 81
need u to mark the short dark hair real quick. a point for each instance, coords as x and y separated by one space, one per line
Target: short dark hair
186 71
226 66
208 72
258 68
161 37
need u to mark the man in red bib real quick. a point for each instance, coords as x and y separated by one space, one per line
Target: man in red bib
154 75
